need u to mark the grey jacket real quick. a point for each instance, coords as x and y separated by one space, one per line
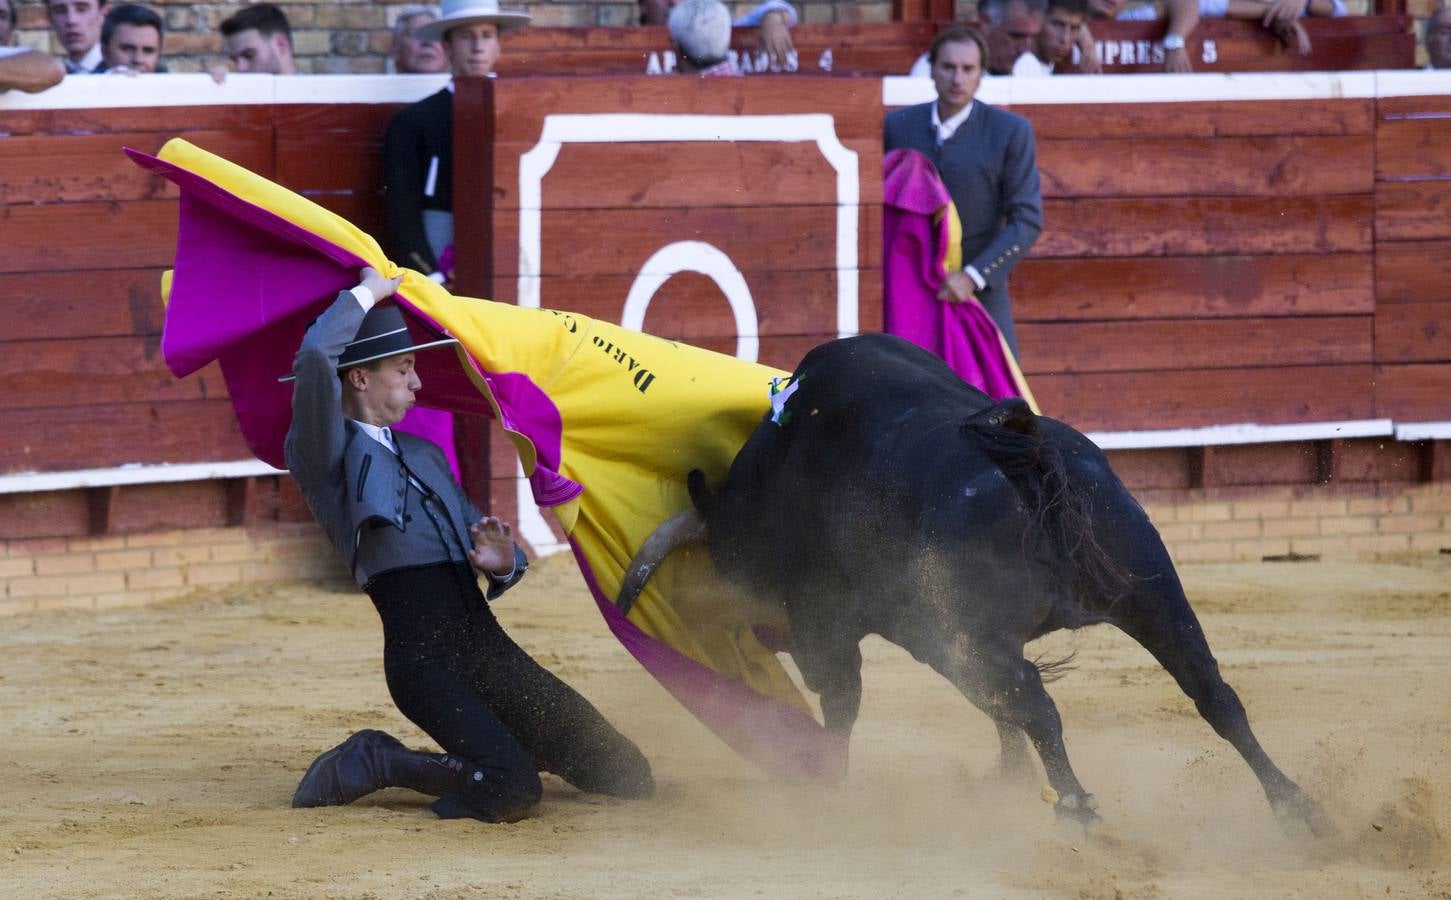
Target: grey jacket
990 167
358 490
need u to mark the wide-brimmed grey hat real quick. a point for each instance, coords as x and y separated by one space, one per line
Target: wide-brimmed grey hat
470 12
384 333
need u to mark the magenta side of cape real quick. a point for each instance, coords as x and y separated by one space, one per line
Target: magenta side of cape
962 334
779 739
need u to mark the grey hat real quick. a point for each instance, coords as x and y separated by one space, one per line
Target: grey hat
384 333
469 12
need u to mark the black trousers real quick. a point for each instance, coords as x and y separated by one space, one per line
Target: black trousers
455 674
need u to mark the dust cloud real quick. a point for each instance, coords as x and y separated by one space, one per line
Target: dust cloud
152 752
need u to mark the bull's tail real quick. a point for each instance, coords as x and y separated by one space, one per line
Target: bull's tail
1061 506
1054 669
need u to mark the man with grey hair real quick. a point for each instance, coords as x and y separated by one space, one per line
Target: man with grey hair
701 33
410 55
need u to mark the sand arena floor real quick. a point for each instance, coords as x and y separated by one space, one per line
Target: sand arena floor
152 752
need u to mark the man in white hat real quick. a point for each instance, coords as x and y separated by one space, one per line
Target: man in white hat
417 546
418 151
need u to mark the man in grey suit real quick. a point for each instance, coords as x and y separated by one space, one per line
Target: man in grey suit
416 545
988 160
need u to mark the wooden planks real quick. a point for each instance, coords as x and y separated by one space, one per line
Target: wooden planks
1217 45
1412 271
87 436
120 370
1173 166
1188 398
1198 226
87 235
1165 345
1414 332
1195 287
1413 251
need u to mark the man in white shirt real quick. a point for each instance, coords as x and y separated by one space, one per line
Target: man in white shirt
77 25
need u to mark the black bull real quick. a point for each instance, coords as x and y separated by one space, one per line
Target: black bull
892 498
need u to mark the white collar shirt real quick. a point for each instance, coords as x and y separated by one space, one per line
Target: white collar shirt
945 130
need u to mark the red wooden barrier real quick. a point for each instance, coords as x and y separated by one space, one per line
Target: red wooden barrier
1217 45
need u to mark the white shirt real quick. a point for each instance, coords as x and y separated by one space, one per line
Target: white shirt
945 130
88 64
1030 66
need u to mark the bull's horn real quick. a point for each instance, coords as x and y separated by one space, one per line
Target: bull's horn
685 527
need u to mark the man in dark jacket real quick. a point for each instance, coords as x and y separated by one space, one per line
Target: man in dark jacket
988 159
418 150
416 545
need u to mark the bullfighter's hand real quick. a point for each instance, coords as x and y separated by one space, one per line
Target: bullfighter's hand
374 281
1178 61
774 37
958 288
493 549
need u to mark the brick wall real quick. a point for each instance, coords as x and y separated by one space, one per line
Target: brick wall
134 569
342 37
126 570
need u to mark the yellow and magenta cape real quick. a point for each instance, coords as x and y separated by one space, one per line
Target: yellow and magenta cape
606 422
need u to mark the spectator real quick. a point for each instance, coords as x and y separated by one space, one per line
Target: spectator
1062 29
77 25
7 23
774 20
1010 29
418 149
1438 39
411 56
1183 16
700 30
131 40
259 39
988 160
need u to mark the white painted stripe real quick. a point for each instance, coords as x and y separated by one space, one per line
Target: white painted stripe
188 89
1413 82
1423 431
1223 435
134 473
239 90
899 90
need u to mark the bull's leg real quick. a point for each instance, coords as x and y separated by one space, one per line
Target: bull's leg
1014 764
1166 626
830 661
1000 682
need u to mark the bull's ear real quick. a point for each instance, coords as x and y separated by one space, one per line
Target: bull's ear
1012 414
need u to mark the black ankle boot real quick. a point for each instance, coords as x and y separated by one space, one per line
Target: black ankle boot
371 760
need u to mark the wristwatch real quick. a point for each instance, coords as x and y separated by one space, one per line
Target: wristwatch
1173 42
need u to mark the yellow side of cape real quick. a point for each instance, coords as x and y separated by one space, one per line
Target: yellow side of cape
638 413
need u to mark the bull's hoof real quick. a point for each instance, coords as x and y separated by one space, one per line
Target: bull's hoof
1300 812
1083 810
